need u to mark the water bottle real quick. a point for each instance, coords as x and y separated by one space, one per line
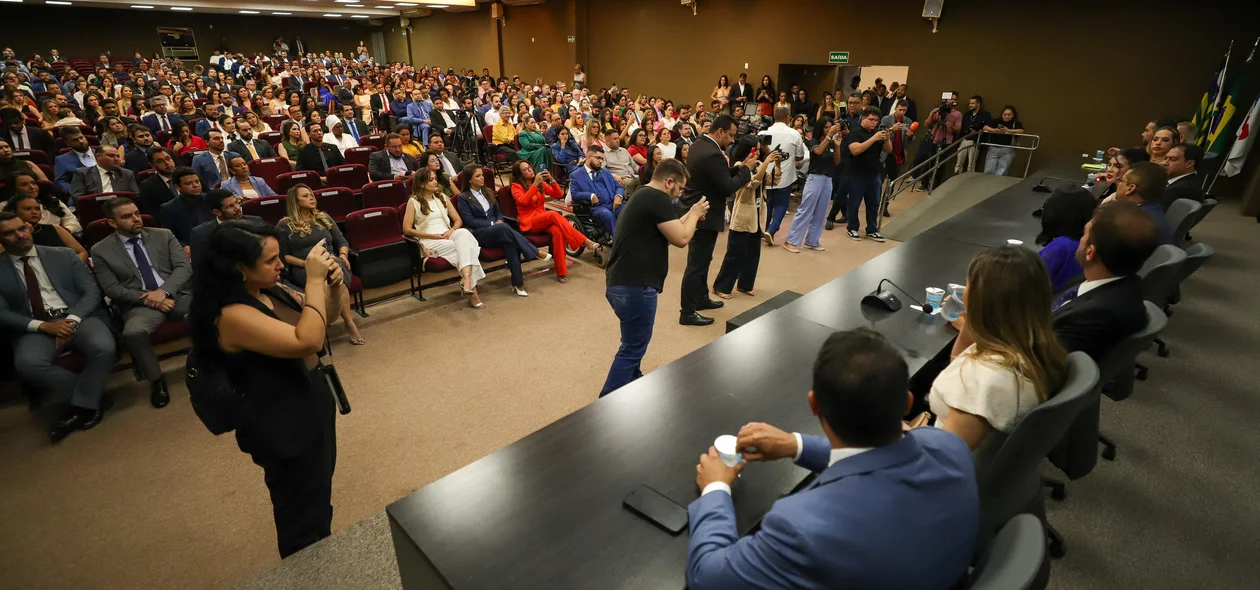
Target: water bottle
952 308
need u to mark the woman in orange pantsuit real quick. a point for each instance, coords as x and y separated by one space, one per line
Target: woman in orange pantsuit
534 217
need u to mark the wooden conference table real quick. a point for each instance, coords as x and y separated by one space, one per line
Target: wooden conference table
546 512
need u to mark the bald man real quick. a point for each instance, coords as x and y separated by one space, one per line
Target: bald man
107 176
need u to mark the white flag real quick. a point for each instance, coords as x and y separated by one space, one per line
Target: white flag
1242 145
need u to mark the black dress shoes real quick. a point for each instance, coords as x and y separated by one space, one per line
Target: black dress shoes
709 304
93 417
159 396
71 419
694 319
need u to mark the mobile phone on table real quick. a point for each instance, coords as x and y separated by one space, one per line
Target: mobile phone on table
657 508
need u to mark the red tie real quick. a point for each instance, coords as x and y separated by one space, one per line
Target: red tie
38 311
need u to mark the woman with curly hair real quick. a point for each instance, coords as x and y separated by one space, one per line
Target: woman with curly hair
304 226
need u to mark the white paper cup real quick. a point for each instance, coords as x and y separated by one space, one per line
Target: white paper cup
1014 242
727 449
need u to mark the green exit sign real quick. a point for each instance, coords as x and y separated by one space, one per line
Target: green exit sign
838 57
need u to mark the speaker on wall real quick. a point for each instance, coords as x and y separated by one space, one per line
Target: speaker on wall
932 8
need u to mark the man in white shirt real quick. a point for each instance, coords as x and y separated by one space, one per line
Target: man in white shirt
788 140
492 115
106 176
212 165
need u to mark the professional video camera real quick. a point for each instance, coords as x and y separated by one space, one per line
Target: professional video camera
945 107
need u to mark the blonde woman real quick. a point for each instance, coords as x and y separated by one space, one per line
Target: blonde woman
593 136
432 219
1164 139
304 226
1006 359
255 123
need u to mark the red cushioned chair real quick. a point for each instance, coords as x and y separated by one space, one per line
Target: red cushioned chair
34 156
375 140
199 102
379 251
508 206
274 121
161 137
269 169
100 229
359 155
461 183
384 193
351 176
337 202
89 208
288 180
144 175
271 209
271 137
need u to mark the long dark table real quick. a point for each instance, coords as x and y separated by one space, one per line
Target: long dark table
545 511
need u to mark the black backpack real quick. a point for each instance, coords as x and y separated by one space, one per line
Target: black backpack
213 395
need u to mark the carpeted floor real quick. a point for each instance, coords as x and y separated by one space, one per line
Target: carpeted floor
150 499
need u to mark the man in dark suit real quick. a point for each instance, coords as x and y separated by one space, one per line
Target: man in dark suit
145 273
137 158
80 155
742 95
450 165
352 124
318 156
1184 182
225 207
107 176
159 119
442 122
48 301
711 176
380 110
188 210
391 163
158 188
21 136
1108 306
480 213
248 146
298 80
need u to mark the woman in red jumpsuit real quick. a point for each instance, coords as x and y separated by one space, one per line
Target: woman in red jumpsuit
530 191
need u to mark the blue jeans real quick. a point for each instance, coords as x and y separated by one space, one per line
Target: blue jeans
812 213
636 308
998 160
777 199
864 189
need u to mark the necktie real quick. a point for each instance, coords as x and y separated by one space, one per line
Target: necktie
1065 297
174 187
322 159
252 152
166 126
18 137
109 176
223 173
142 263
38 311
354 130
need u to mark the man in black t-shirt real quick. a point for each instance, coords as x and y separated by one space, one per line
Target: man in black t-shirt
647 226
862 147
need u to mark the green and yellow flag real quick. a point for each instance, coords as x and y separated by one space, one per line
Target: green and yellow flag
1209 104
1216 137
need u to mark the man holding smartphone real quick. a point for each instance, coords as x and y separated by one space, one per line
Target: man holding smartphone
863 146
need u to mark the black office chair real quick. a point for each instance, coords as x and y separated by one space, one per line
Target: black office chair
1196 256
1010 483
1159 275
1182 215
1016 560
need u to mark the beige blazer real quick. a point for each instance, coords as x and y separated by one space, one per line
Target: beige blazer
746 215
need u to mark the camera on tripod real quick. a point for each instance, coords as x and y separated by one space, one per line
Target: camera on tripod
945 107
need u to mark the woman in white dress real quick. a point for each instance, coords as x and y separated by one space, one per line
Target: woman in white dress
432 219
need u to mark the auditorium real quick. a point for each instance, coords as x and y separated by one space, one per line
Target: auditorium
708 294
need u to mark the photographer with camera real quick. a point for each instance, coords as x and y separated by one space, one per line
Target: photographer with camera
944 124
863 147
849 120
787 140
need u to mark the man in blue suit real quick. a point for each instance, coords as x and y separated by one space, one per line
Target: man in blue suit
79 156
159 119
888 509
594 185
213 165
418 115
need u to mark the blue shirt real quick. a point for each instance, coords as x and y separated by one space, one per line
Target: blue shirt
1060 258
1161 222
131 251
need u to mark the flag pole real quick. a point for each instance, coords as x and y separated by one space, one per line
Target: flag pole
1229 147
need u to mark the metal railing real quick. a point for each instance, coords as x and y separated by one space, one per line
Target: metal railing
928 168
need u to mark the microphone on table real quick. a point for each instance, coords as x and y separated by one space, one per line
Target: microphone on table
885 299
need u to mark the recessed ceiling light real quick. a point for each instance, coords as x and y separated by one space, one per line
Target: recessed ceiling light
354 6
438 6
13 1
181 8
333 14
141 6
282 13
359 16
346 1
57 2
249 12
404 4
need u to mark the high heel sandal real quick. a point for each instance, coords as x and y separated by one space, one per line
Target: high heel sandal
721 295
475 304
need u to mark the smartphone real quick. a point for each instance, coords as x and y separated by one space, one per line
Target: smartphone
658 508
947 95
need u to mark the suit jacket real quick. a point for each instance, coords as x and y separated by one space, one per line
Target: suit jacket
153 193
378 165
1186 187
308 158
439 123
63 170
39 140
119 277
712 177
748 94
603 185
201 234
297 82
858 525
137 159
70 278
151 121
356 124
87 181
203 164
260 186
181 215
475 217
262 147
1097 321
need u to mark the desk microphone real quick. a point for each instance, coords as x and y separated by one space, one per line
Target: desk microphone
885 299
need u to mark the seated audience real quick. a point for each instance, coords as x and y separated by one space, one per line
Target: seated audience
53 212
249 147
410 145
391 163
304 226
434 221
1119 164
137 157
159 187
294 140
30 209
242 184
11 165
595 186
888 508
446 160
418 115
160 119
20 136
65 310
183 142
338 136
318 156
503 141
479 210
565 152
188 209
1182 165
145 274
748 221
1108 306
212 165
530 191
1161 142
432 161
79 156
533 146
1063 220
1144 185
617 160
107 176
226 207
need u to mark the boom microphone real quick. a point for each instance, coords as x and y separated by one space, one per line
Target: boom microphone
886 300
